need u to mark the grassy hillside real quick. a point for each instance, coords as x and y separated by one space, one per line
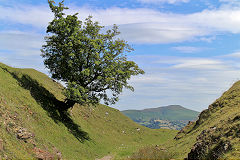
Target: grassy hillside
173 116
172 112
216 133
32 127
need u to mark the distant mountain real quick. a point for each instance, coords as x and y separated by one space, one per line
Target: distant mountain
172 116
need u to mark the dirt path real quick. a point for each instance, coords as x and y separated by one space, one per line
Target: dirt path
106 158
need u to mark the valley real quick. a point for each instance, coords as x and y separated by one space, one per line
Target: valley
32 127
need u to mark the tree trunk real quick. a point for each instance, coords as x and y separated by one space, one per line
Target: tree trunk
67 104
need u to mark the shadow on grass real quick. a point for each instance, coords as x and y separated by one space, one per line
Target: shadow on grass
49 103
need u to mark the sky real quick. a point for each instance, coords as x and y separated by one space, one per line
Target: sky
189 49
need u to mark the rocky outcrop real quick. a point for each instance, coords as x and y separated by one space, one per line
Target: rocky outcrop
42 154
185 130
210 145
24 134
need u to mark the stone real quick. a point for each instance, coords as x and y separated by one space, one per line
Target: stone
42 154
23 134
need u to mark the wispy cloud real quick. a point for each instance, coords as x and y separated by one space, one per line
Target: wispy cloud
140 25
199 63
230 3
196 63
21 43
192 82
21 49
37 16
188 49
164 1
233 55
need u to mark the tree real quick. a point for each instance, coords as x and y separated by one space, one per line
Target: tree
93 64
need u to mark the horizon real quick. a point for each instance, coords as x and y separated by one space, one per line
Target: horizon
189 50
158 107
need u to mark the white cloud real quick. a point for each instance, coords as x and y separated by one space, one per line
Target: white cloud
191 84
234 55
164 1
208 38
37 16
21 43
21 49
149 26
140 25
195 63
217 20
230 3
199 63
188 49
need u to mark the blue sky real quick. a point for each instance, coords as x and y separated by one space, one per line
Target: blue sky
189 49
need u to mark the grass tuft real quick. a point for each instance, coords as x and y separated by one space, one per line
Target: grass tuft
151 153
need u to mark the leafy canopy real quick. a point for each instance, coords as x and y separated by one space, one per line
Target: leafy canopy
93 64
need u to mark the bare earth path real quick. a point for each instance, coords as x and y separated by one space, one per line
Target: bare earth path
106 158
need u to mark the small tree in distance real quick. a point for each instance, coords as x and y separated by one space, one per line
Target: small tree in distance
93 64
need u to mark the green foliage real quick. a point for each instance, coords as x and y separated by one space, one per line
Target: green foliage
92 63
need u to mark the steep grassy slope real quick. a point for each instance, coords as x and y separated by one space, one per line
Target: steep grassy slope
216 134
171 117
30 125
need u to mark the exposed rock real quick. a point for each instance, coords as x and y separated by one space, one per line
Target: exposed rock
198 151
184 130
209 146
58 153
43 154
24 134
221 148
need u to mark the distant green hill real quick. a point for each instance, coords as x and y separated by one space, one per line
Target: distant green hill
173 116
31 127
